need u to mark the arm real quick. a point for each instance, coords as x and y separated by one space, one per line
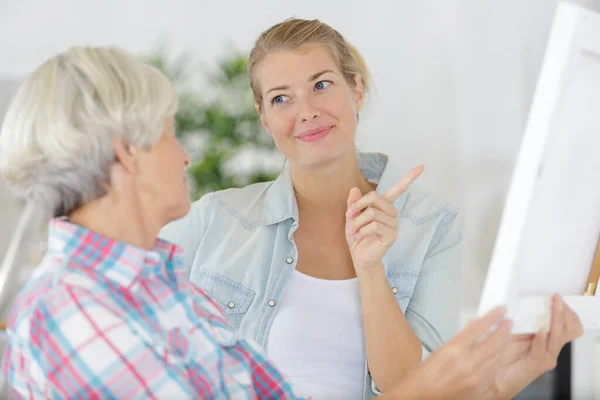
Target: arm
392 341
15 378
103 357
85 360
393 349
464 367
93 353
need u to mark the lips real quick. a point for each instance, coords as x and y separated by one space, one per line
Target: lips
315 134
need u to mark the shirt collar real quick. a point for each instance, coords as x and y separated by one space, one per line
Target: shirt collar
116 261
280 200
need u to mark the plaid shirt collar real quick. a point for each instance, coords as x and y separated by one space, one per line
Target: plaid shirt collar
119 262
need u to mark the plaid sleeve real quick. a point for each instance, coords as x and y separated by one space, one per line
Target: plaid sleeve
269 383
17 369
84 351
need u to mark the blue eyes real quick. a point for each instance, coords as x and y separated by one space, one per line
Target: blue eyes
322 85
280 99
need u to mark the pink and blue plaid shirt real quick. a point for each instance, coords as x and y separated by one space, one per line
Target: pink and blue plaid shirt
104 320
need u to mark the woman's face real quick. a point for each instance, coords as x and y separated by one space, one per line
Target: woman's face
308 107
163 176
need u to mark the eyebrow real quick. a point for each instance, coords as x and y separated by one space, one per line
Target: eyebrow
318 74
312 78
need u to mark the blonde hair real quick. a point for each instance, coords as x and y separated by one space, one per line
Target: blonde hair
56 142
294 33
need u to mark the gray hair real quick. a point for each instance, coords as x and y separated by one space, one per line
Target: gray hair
56 142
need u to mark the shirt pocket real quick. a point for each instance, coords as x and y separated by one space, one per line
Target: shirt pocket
403 284
234 298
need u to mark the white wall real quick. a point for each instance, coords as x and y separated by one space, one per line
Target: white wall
453 79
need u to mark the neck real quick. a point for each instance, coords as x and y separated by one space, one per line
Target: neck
122 218
324 189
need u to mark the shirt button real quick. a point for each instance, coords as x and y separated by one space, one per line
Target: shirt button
394 290
271 303
231 304
289 260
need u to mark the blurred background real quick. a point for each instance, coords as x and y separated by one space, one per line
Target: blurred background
453 81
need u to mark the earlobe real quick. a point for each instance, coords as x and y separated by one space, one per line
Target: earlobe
359 92
125 155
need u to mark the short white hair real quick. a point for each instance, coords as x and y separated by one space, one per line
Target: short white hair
56 142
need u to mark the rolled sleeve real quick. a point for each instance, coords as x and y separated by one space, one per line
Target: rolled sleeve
433 309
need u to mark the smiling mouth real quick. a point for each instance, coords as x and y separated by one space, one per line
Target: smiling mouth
315 134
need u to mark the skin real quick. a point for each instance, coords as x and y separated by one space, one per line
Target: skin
304 91
144 193
485 362
346 228
147 189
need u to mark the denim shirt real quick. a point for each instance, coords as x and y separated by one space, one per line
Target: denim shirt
239 246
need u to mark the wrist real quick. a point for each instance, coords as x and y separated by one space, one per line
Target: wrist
368 270
410 388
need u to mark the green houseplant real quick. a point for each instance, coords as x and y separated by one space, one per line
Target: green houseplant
219 126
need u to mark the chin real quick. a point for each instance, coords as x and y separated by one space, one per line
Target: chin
179 211
185 209
320 158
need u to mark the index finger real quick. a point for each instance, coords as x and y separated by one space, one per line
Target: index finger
400 187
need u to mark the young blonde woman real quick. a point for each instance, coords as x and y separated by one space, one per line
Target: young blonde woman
345 274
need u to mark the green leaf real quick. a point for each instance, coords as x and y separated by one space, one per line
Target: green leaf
226 120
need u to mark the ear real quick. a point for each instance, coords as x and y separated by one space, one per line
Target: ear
359 92
263 119
125 156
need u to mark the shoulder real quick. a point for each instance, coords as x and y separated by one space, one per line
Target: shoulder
247 203
216 212
61 303
420 206
427 224
417 205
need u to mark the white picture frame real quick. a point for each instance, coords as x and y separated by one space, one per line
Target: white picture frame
550 226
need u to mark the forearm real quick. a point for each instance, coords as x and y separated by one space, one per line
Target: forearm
392 348
403 391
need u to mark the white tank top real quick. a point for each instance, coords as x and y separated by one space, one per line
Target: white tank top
317 337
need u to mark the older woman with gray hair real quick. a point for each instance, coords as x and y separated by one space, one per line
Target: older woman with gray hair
90 139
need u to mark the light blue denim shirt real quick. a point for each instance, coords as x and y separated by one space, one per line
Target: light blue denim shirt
239 246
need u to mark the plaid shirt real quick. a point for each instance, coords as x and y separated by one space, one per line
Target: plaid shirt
104 320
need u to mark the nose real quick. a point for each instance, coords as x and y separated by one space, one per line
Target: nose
308 110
